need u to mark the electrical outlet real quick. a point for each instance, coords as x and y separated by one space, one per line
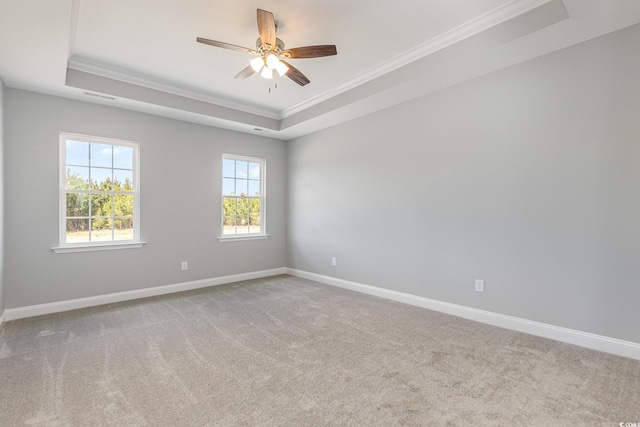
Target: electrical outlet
334 261
184 265
479 285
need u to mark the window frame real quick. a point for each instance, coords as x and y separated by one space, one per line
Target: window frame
63 245
263 199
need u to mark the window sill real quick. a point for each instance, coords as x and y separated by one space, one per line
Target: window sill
224 239
102 247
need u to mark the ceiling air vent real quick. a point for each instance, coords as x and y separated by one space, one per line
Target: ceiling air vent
97 95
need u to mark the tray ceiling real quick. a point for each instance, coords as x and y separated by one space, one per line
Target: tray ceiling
143 55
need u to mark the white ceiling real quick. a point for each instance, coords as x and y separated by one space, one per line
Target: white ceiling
142 55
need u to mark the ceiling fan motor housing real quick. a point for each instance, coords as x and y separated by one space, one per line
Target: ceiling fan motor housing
265 49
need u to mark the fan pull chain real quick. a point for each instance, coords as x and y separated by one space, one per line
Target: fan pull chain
275 86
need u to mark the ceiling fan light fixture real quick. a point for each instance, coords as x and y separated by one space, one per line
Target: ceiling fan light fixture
267 73
257 64
281 68
272 61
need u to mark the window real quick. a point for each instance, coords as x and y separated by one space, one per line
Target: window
99 196
243 197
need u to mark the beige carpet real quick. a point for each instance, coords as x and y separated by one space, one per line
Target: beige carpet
287 351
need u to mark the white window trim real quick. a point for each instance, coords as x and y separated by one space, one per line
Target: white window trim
65 247
235 238
223 238
94 247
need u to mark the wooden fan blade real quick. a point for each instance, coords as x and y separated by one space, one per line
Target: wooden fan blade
295 75
225 45
311 51
247 72
267 28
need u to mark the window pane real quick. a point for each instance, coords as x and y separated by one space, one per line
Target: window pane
254 206
228 186
101 229
241 169
122 180
242 224
229 207
77 153
101 155
123 223
243 207
122 157
77 178
229 225
101 179
123 228
254 170
242 187
228 168
254 188
77 204
77 231
123 205
242 220
101 205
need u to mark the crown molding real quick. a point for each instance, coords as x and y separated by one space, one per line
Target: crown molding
87 66
468 29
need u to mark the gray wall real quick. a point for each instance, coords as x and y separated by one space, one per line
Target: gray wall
180 202
527 178
2 90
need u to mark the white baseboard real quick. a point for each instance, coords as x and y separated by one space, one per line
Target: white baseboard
2 318
557 333
59 306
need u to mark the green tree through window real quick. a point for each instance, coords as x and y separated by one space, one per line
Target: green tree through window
99 186
242 195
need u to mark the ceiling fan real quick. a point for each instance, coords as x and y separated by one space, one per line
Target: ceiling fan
271 53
